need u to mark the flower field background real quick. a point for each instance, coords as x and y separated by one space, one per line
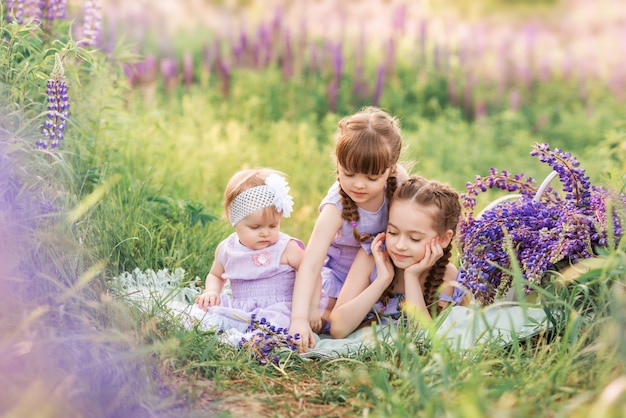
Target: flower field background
165 100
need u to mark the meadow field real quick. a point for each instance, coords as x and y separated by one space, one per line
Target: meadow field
168 99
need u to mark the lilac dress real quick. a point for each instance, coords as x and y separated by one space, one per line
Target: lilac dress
259 283
344 247
391 312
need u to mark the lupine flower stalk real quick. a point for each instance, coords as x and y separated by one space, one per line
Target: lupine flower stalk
23 11
188 68
15 11
545 230
267 341
54 9
380 78
92 24
288 58
58 108
359 87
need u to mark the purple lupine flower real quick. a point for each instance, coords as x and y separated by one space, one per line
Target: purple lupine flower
15 11
130 71
359 87
265 45
149 69
287 61
315 59
224 73
39 268
399 19
543 231
380 78
267 341
423 30
169 72
58 108
237 52
92 24
54 9
188 68
515 100
33 10
207 59
338 60
333 95
22 11
390 58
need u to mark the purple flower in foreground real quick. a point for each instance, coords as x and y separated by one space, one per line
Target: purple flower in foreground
70 346
541 229
58 108
267 340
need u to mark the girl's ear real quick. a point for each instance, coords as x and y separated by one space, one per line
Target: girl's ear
446 238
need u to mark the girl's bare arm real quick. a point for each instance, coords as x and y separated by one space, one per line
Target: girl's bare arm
358 295
308 275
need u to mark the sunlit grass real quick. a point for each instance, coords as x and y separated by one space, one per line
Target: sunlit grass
142 175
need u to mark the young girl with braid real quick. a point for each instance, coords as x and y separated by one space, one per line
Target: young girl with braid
368 146
408 263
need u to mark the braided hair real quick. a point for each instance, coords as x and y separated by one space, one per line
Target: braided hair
444 201
368 142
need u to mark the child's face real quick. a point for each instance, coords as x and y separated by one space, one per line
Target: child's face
408 232
258 230
363 188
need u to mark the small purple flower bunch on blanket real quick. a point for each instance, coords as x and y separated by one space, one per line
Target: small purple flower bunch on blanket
545 230
267 340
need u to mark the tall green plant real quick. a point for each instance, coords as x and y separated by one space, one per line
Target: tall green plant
65 348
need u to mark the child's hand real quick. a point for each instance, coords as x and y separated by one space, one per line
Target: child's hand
315 318
208 299
432 252
384 267
315 321
306 338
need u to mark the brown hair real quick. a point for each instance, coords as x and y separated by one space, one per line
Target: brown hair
368 142
445 207
247 179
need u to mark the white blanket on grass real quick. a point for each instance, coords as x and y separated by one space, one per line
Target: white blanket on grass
463 328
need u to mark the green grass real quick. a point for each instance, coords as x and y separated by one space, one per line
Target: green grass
182 150
165 160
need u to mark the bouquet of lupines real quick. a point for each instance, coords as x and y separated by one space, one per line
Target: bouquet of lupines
542 228
267 341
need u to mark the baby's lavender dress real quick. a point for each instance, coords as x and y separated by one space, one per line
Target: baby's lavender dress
259 283
344 247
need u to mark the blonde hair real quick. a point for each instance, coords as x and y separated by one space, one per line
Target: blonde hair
368 142
247 179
